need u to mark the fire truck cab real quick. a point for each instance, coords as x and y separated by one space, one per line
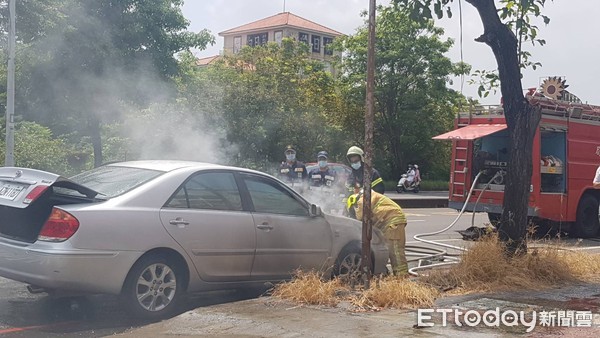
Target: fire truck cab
566 154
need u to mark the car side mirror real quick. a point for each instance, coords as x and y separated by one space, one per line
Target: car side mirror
315 210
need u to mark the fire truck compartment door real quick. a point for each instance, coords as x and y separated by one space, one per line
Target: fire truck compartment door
471 132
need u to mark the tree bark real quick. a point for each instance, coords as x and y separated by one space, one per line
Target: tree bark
94 130
522 120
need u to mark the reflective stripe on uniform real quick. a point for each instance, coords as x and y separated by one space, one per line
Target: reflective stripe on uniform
377 181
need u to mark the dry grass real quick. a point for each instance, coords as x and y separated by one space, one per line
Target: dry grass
309 288
485 267
396 293
389 292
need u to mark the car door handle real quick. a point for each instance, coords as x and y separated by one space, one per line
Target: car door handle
265 226
179 221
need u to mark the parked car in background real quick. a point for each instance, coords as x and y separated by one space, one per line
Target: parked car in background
154 230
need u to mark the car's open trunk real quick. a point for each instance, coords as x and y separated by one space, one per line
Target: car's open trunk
22 220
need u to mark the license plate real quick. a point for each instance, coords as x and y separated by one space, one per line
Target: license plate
10 191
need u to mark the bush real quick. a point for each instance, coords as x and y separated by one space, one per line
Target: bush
37 148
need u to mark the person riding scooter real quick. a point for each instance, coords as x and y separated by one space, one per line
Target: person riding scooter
410 181
410 176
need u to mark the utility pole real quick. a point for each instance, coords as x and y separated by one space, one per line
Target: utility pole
9 159
367 225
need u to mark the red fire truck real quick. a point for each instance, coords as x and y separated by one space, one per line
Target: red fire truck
566 154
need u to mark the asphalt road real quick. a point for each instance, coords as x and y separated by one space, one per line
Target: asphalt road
26 315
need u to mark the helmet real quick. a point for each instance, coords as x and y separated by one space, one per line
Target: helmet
322 154
354 150
416 166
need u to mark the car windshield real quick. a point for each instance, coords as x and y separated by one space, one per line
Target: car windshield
111 181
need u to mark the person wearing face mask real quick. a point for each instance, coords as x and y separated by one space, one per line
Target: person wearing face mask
291 170
355 157
322 176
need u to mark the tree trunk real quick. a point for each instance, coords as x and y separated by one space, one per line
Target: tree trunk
522 121
94 130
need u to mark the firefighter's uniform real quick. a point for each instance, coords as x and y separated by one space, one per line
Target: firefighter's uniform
358 172
356 179
388 217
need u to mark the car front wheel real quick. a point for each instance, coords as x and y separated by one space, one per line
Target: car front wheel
347 265
153 287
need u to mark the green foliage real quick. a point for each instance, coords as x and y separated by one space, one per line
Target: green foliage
105 56
413 102
518 15
36 147
34 18
273 96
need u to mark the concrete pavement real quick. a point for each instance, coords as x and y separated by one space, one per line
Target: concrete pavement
268 317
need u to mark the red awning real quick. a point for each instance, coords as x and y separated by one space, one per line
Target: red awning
471 132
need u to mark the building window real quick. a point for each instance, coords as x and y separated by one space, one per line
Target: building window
327 46
303 37
237 44
316 44
278 37
258 39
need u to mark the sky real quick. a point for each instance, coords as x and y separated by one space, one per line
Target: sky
572 50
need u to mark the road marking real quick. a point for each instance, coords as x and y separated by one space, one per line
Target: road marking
533 246
415 220
579 248
28 328
436 240
415 215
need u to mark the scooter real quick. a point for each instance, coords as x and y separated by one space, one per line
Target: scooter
401 187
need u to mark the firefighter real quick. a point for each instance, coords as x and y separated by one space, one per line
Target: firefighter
388 217
356 160
322 176
291 170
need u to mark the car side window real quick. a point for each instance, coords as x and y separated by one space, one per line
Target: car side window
270 197
214 191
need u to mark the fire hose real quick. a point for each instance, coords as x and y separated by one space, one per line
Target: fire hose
428 254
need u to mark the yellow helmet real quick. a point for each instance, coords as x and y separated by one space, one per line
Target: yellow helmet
354 150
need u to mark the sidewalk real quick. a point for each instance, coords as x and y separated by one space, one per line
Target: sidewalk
268 317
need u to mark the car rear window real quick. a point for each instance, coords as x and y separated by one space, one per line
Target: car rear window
111 181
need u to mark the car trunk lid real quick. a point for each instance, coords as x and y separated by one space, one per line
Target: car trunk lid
27 197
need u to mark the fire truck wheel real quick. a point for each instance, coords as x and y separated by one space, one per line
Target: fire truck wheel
587 223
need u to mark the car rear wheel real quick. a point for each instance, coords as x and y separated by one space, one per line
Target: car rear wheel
588 219
153 287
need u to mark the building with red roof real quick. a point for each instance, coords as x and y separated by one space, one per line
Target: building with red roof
283 25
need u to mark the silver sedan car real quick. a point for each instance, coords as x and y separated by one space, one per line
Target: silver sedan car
154 230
